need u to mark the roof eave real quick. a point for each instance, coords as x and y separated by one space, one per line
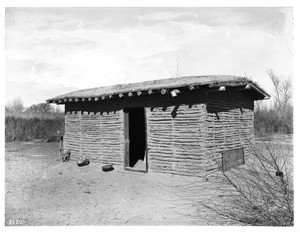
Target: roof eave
264 95
257 92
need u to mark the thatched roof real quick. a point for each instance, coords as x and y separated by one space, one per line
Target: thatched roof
211 81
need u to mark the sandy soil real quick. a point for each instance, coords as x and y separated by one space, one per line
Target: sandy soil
41 190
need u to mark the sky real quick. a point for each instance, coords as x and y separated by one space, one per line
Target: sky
52 51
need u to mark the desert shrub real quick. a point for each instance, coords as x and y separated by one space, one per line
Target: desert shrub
260 192
35 122
267 120
27 128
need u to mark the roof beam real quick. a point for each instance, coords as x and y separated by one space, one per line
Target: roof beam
174 92
163 91
248 86
222 88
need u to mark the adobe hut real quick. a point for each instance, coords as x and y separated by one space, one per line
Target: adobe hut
179 125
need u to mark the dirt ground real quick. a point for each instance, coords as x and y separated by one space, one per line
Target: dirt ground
41 190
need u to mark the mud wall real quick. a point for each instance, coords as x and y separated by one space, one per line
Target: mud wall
229 124
184 134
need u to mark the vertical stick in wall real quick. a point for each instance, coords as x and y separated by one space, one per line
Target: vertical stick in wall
65 143
126 139
80 132
146 138
240 125
173 164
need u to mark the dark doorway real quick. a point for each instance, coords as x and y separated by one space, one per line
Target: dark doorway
135 139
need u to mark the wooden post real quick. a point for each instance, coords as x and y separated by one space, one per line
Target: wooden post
61 142
130 94
96 98
120 95
139 93
150 91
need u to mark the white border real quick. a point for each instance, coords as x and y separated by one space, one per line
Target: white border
157 3
149 3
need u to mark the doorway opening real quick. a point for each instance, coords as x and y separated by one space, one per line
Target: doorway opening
135 140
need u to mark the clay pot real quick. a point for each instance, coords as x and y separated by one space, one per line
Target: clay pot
107 168
83 161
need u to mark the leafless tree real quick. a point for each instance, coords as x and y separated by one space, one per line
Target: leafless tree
277 116
16 106
282 90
